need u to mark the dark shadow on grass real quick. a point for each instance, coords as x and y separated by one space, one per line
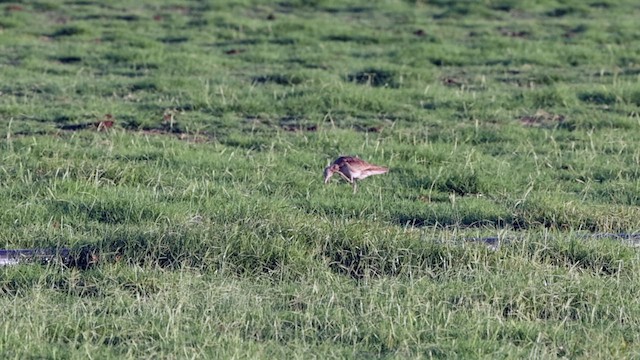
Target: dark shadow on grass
68 31
374 77
98 3
564 11
597 97
283 41
450 220
458 183
307 64
179 247
600 4
131 123
359 39
359 261
144 85
348 9
542 118
128 17
116 211
140 248
369 129
578 253
174 39
279 79
94 125
439 61
354 262
238 42
61 119
504 6
294 124
627 71
69 59
198 22
248 143
536 216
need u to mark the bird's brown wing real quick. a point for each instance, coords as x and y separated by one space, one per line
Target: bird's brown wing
361 165
352 161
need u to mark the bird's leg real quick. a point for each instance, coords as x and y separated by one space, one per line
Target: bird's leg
355 186
345 171
345 177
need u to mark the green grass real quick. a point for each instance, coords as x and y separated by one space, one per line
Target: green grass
205 203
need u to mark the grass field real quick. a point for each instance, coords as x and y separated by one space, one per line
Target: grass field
183 143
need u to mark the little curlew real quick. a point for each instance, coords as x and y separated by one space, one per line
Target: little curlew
352 168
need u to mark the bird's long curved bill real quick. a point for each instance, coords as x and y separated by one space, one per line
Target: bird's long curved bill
327 174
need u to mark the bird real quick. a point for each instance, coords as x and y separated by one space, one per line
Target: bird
352 168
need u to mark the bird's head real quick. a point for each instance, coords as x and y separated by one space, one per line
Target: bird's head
328 172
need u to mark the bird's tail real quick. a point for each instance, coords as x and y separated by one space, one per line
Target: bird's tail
376 170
